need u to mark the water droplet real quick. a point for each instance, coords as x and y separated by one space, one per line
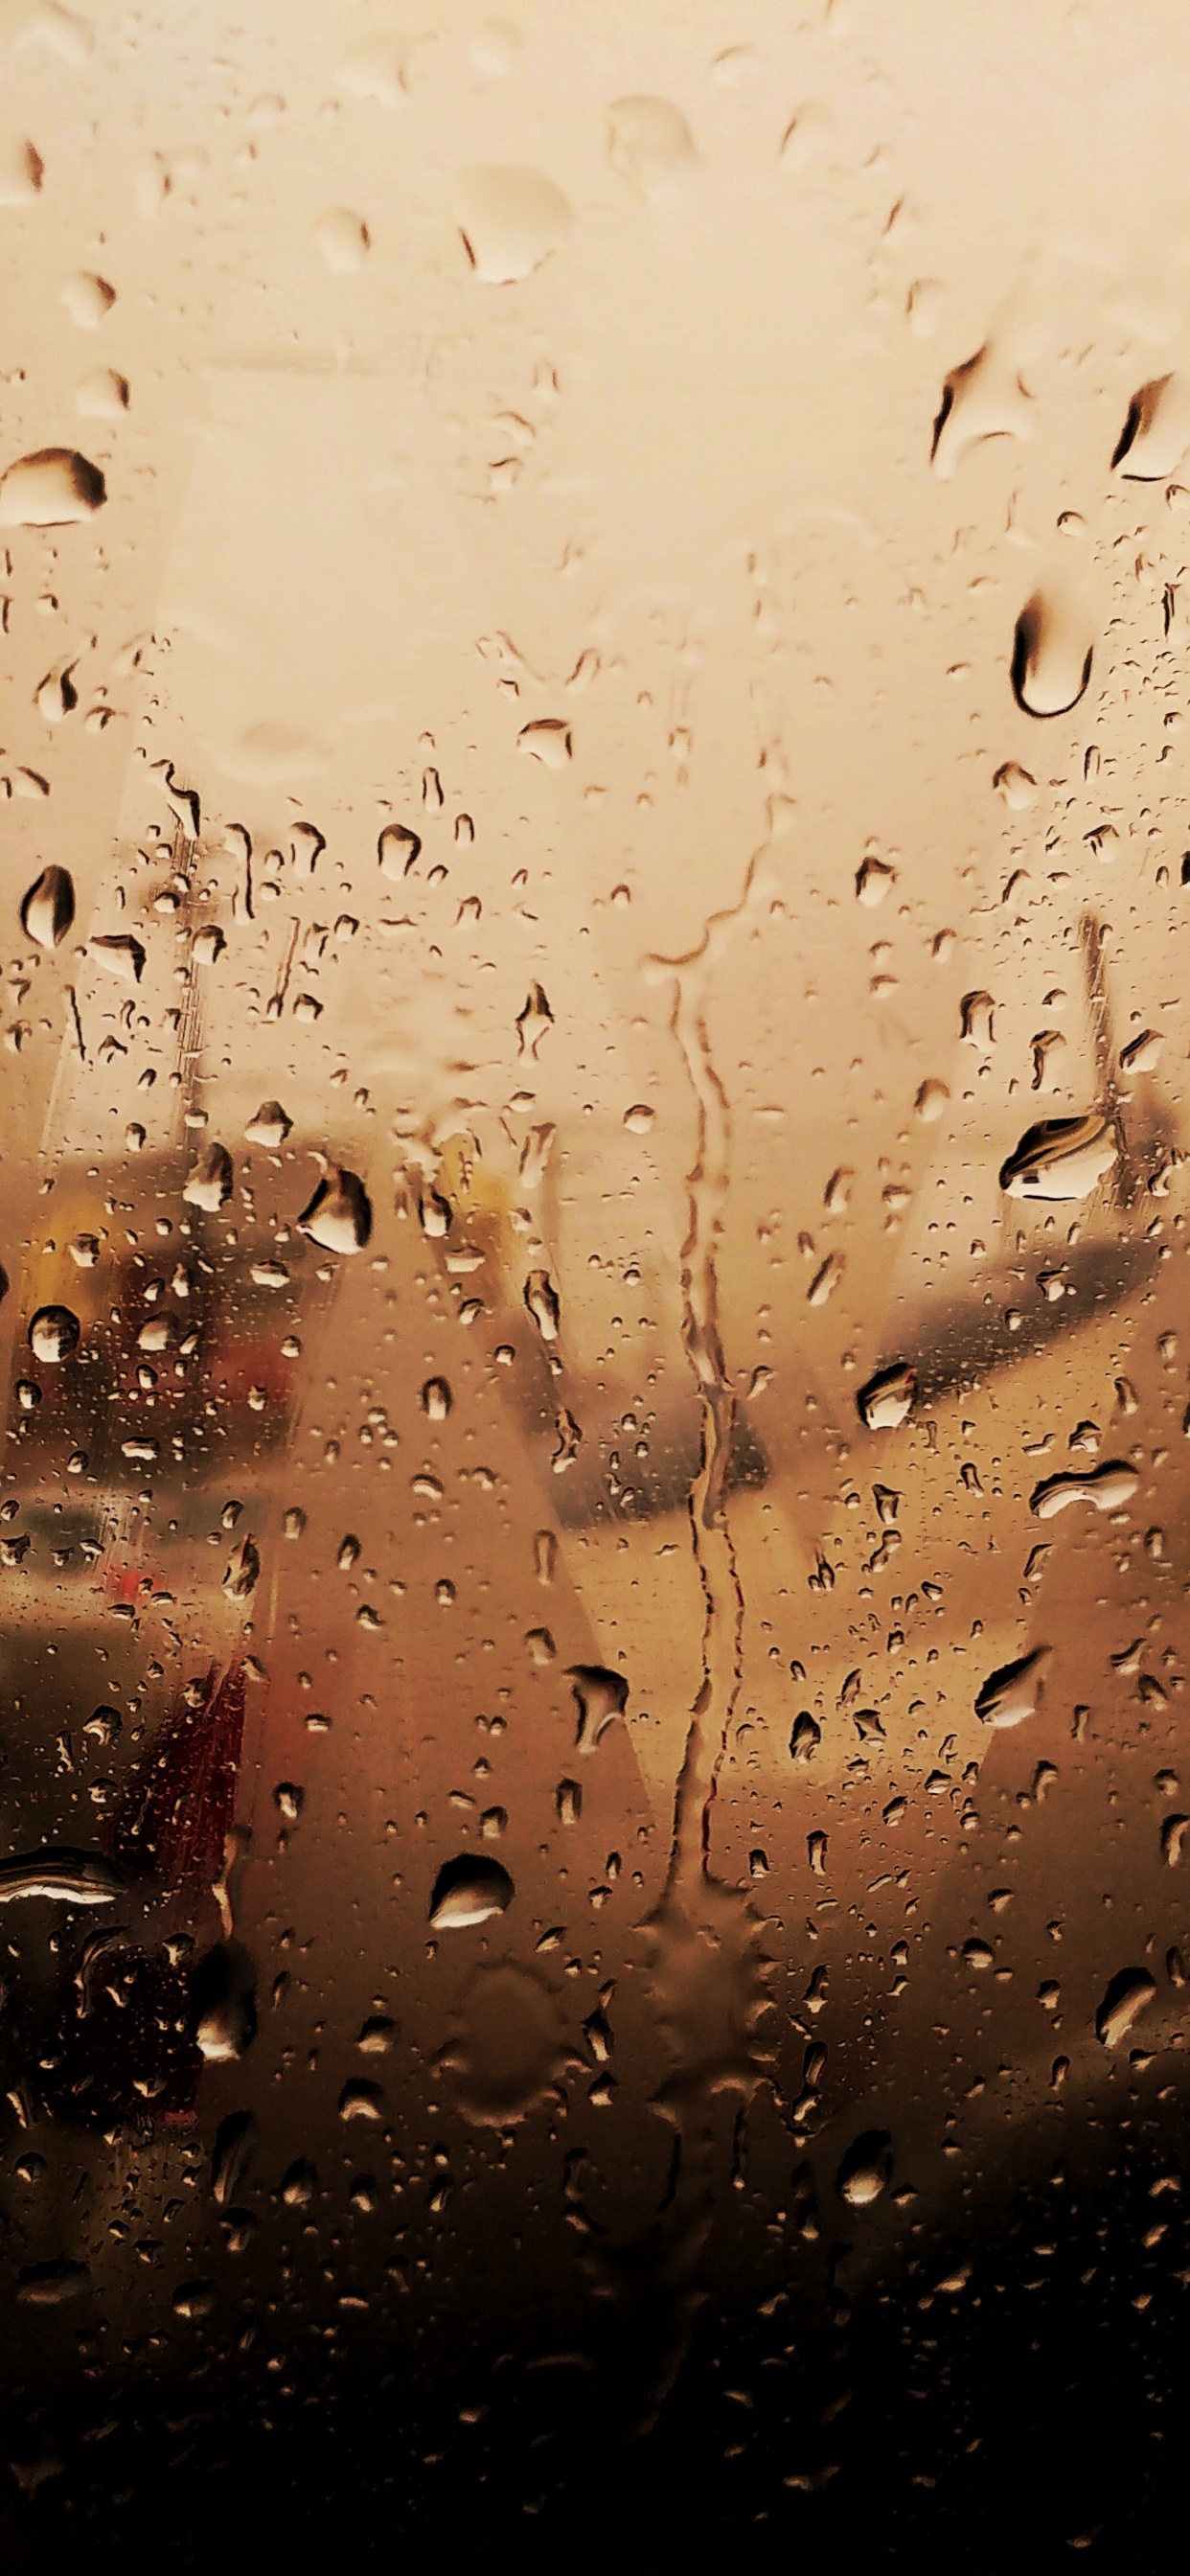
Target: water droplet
66 1876
49 2285
807 136
299 2184
975 1019
361 2100
339 1216
541 1298
1142 1053
48 909
511 219
269 1127
865 2169
600 1697
103 395
88 299
469 1890
826 1279
122 955
1052 654
242 1571
53 488
398 850
984 398
548 740
650 144
343 239
887 1399
1015 1691
1108 1488
223 2002
235 2141
1017 787
53 1334
21 173
1156 431
1061 1158
873 881
535 1155
1129 1993
209 1184
533 1021
805 1737
1172 1832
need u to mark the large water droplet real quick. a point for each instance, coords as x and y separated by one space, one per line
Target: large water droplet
1015 1691
1129 1992
103 395
984 398
53 488
397 850
511 218
649 143
1061 1158
343 239
339 1216
209 1184
120 953
69 1877
887 1399
1156 432
469 1890
1052 654
270 1127
21 173
53 1334
223 2002
1109 1487
88 299
864 2170
600 1697
48 909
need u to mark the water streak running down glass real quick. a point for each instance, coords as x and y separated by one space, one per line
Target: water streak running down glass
595 1517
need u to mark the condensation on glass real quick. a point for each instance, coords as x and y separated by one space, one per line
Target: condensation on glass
594 1504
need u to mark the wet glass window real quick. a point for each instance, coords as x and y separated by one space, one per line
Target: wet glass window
594 1507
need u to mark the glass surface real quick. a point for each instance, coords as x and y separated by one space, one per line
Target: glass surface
594 1523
